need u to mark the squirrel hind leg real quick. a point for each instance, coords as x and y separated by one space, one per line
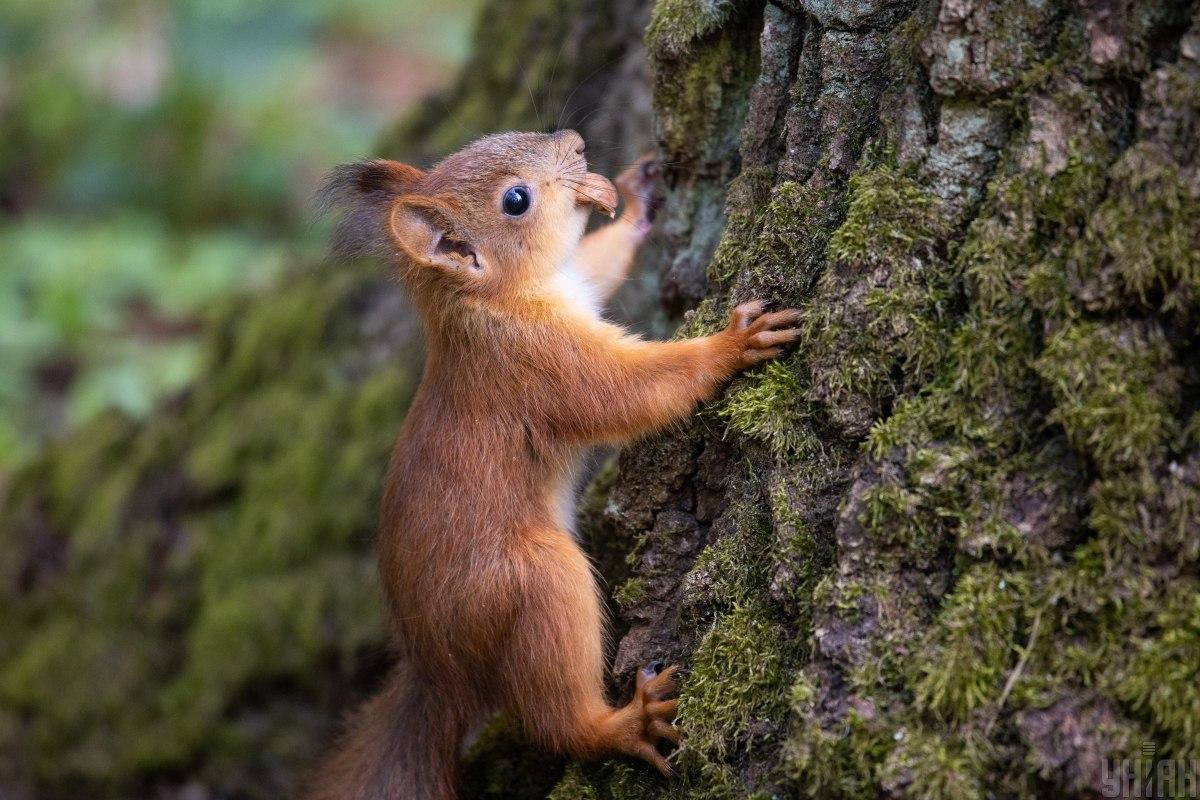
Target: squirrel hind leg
552 671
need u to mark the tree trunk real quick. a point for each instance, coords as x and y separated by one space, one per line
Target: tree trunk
948 548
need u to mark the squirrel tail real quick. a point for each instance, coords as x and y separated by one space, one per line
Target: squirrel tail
402 744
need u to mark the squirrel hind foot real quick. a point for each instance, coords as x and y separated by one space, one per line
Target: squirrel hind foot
651 712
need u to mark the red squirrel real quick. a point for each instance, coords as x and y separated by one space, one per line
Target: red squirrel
492 604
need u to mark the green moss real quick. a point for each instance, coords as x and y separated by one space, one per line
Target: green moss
767 406
630 593
911 519
1116 388
737 676
747 194
1150 229
972 643
676 24
843 762
773 247
700 97
625 781
977 466
988 385
208 553
1119 505
1022 508
733 568
574 786
803 555
885 301
993 378
888 215
710 317
500 765
936 767
1162 681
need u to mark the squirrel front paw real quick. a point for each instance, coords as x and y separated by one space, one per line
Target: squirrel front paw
638 185
649 714
759 336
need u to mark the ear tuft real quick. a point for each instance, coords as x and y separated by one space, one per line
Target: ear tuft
363 192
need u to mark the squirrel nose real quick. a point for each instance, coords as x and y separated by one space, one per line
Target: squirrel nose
573 140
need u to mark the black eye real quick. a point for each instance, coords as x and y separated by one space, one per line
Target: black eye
516 201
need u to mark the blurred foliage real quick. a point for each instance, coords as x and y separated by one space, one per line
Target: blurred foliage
196 587
189 598
157 154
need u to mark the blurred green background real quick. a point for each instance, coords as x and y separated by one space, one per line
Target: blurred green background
157 156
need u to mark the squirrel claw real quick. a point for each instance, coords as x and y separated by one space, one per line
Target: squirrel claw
653 712
760 334
649 166
650 669
638 185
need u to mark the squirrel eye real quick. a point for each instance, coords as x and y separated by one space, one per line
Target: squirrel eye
516 201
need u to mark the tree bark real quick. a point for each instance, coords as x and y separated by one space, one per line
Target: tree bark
947 549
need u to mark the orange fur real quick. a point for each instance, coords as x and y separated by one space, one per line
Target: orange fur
492 604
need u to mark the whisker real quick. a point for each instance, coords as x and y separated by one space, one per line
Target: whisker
579 85
553 72
576 174
589 116
533 102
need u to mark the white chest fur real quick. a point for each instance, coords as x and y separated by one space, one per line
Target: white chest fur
575 292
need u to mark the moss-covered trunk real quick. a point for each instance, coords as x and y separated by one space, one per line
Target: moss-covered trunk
949 548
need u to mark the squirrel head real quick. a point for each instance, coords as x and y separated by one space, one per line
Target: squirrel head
503 212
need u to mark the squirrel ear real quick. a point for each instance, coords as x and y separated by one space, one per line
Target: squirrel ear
422 228
364 192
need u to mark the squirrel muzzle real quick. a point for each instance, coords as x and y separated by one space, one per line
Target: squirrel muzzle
598 191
